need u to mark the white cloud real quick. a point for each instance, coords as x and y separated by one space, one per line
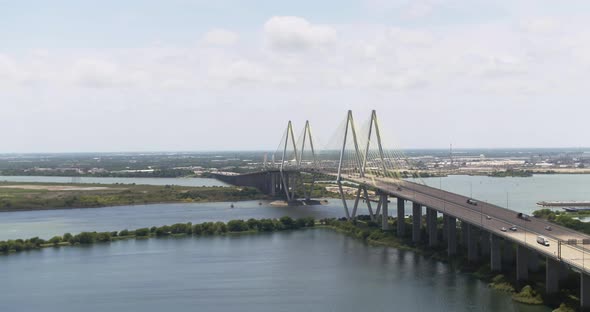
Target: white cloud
291 33
220 37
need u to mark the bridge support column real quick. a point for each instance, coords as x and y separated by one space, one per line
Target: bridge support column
508 253
585 291
273 184
522 263
432 227
451 230
401 221
495 255
416 222
472 236
552 269
484 243
445 232
533 261
564 271
464 233
384 213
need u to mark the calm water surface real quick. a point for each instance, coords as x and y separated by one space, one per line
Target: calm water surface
47 223
309 270
520 194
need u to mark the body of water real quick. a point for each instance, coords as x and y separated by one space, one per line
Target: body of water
308 270
519 194
47 223
108 180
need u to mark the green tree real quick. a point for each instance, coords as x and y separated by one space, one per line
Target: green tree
67 237
253 224
220 228
55 240
163 231
300 223
267 225
197 229
86 238
3 246
237 226
287 222
143 232
103 237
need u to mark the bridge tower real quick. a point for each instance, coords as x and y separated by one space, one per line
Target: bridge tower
285 178
360 163
315 166
358 159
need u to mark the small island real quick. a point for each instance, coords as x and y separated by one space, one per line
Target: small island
15 196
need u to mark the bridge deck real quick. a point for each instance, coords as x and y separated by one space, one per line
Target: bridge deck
456 205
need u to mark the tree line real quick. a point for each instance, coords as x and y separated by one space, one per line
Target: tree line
178 229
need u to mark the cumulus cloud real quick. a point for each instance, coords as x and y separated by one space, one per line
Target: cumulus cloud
220 37
291 33
361 57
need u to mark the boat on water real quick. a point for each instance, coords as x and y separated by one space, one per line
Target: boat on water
576 209
571 203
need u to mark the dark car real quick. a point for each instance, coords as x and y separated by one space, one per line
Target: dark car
472 202
523 216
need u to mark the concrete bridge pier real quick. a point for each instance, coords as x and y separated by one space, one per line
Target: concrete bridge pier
416 222
445 232
464 233
401 221
564 271
533 261
522 263
495 254
472 237
484 243
451 230
432 228
552 271
273 184
585 291
508 253
384 213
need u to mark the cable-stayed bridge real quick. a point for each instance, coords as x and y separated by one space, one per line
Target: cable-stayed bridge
359 158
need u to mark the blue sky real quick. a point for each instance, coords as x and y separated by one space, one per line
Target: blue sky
200 75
